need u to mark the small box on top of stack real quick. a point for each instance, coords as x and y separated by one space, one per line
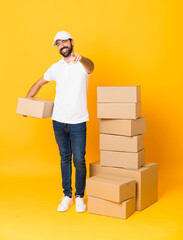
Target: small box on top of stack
122 131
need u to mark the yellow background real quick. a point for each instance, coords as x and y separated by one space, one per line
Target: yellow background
131 43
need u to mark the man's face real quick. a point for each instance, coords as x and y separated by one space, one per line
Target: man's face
65 47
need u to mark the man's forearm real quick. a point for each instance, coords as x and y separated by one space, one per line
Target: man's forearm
87 64
34 89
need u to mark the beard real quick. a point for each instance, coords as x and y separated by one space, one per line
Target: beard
68 52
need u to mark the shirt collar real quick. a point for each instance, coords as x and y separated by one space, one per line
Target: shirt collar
64 62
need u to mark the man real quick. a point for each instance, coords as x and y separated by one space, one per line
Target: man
69 115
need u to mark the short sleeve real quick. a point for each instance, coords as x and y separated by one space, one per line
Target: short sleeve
49 74
88 74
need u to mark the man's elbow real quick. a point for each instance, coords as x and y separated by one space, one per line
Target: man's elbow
41 82
91 68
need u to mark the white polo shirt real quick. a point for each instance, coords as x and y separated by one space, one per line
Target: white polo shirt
70 104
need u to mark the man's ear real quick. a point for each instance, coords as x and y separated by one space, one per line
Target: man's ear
72 41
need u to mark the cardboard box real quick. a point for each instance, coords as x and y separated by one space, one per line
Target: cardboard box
122 159
111 187
119 210
146 180
35 107
121 143
125 127
119 110
118 94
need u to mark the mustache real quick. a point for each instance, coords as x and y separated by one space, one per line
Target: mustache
62 49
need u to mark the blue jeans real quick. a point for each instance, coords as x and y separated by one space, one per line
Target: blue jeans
71 139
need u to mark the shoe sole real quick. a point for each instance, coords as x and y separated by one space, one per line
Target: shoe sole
81 210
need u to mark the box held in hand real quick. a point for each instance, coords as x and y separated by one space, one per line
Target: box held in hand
35 107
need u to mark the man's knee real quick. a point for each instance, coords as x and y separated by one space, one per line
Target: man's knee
65 158
79 162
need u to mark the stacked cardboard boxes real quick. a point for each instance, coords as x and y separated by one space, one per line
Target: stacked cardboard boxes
122 160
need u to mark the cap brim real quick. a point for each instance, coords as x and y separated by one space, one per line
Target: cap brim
54 43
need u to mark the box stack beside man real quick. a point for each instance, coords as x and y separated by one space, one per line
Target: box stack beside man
122 131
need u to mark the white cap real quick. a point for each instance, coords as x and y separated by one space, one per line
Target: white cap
62 36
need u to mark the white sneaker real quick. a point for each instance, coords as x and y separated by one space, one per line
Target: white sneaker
65 204
80 204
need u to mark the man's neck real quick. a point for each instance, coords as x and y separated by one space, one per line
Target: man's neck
69 58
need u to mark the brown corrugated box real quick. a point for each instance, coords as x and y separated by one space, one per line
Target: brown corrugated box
126 127
110 187
119 110
146 179
119 94
35 107
121 143
127 160
107 208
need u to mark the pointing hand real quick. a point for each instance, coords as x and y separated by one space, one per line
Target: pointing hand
75 57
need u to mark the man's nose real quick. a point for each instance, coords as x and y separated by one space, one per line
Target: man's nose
61 45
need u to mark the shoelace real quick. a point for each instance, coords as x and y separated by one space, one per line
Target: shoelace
64 198
81 201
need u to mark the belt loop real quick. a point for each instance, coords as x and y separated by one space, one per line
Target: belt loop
66 127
